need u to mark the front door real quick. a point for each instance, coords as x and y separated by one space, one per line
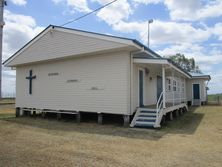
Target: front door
141 82
159 86
196 91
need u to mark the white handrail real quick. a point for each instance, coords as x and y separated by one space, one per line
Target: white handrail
157 104
135 117
158 109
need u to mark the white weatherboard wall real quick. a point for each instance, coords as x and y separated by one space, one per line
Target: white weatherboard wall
109 73
55 44
150 85
189 89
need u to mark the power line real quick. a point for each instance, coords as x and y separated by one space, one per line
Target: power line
78 18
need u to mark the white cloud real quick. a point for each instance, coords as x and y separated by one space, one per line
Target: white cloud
19 2
75 5
215 83
182 9
191 10
146 2
180 48
212 9
80 5
162 32
199 53
18 30
114 13
217 30
18 18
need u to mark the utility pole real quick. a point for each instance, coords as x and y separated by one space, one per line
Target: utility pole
148 36
2 23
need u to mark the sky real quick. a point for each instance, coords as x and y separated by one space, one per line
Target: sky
191 27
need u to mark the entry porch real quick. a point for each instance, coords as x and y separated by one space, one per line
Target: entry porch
159 88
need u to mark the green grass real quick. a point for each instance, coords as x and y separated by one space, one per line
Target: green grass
7 111
5 116
7 101
214 98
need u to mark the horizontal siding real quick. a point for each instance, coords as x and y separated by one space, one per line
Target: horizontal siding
56 44
109 73
189 89
150 87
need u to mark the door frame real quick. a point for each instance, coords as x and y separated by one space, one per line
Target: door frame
193 91
158 76
143 70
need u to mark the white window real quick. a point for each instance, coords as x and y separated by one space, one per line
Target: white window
183 87
174 85
178 86
168 84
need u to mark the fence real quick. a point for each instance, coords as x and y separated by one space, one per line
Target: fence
214 100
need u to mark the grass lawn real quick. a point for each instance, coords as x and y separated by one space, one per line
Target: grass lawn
194 139
7 101
214 98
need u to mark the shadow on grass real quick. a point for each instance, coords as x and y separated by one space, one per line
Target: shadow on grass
59 127
185 124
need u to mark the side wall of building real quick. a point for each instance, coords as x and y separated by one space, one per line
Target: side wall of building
97 83
202 83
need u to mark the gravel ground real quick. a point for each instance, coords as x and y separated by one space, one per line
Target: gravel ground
194 139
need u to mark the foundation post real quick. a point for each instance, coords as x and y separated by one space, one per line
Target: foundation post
78 117
163 121
181 111
17 112
59 116
100 118
34 112
126 119
43 115
171 116
176 113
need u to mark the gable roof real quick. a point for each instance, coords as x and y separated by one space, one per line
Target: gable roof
149 54
120 40
200 76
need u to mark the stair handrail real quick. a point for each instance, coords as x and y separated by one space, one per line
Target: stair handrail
159 105
135 117
159 102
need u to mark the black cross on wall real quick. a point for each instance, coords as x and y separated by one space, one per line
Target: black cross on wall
30 78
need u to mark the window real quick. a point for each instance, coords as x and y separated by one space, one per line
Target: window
178 86
174 85
168 86
183 87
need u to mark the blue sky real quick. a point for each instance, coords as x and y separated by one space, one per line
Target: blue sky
191 27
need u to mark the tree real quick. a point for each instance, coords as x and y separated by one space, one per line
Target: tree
185 63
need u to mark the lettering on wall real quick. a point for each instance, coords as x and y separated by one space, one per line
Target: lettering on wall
72 80
53 74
